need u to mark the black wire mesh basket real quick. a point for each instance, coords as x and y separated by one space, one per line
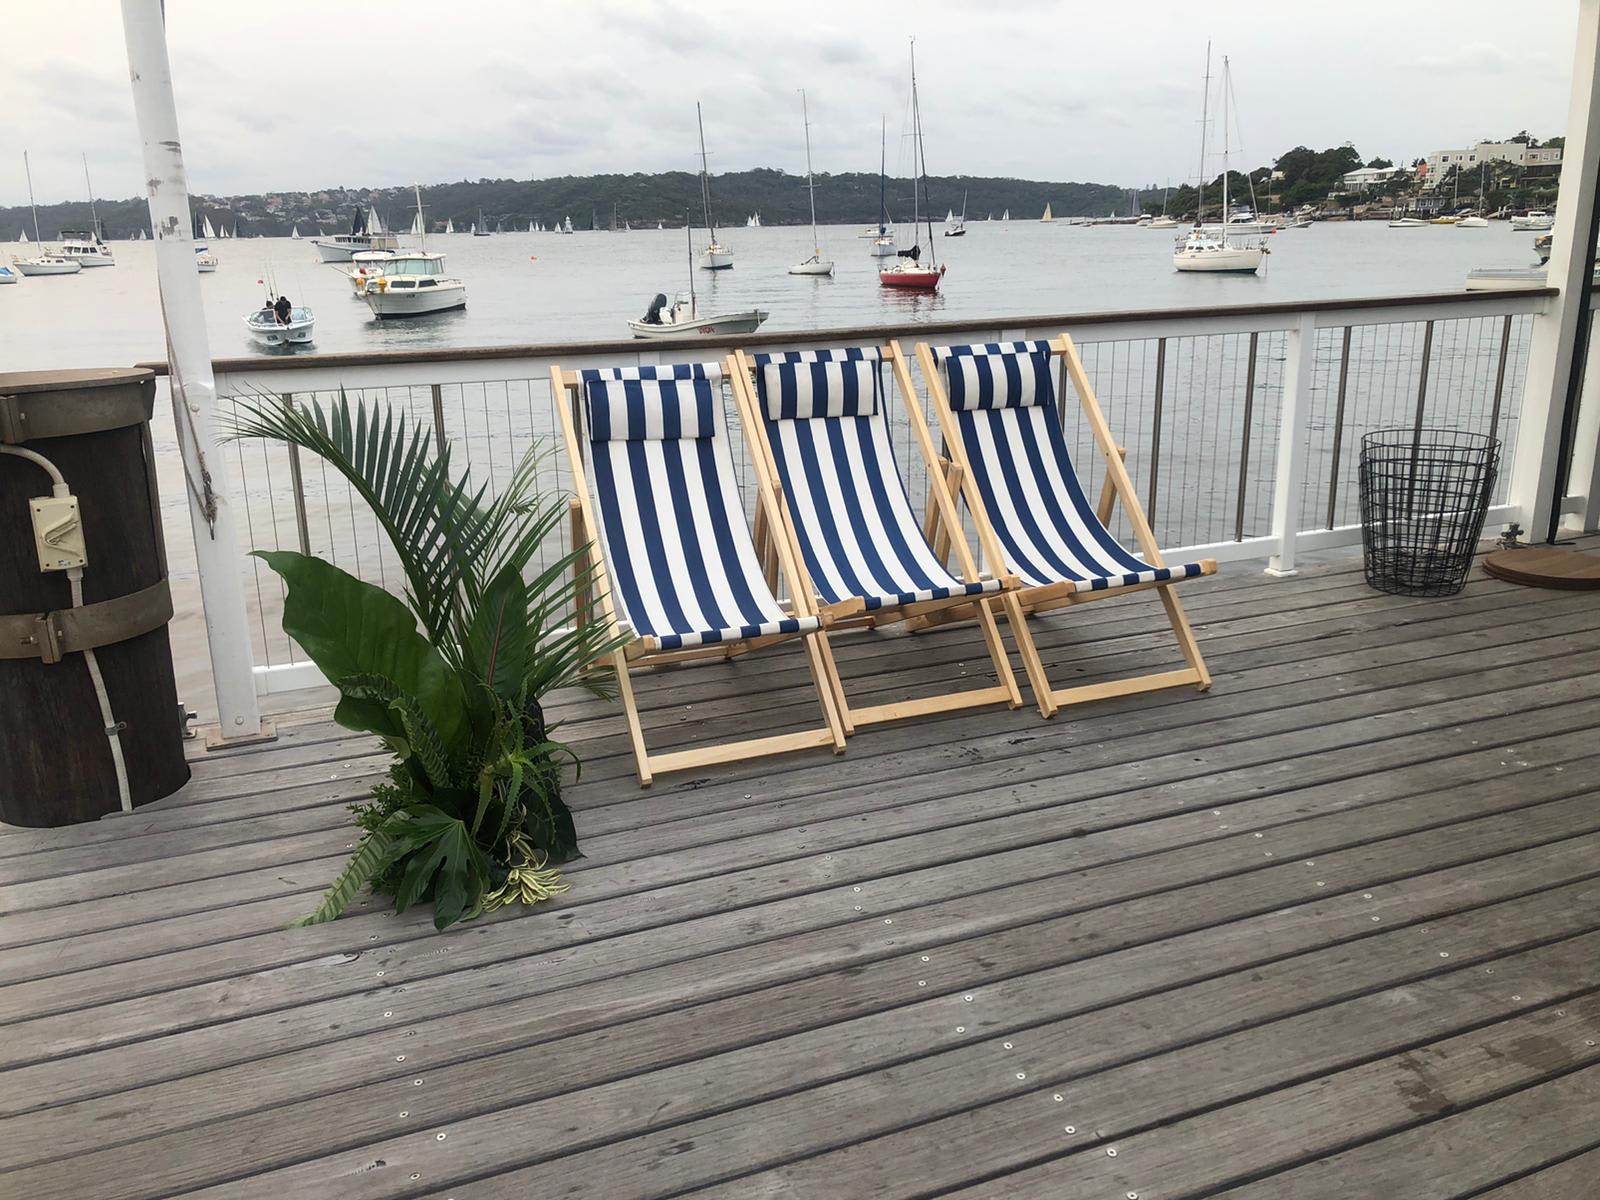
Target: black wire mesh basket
1424 496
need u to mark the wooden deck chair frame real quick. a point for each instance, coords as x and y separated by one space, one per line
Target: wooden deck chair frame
644 651
781 532
1119 487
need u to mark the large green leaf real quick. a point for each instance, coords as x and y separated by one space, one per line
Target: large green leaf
449 863
351 628
498 641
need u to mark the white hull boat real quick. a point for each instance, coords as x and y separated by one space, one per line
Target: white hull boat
342 247
265 327
413 284
883 247
1473 223
1162 223
1534 222
1408 223
716 257
682 320
815 265
87 248
1207 249
7 275
47 264
205 262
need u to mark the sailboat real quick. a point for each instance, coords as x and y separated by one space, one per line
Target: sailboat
954 226
909 271
46 262
753 221
294 233
883 246
1006 216
1210 249
86 245
449 225
1048 216
1476 220
716 256
1164 221
816 264
479 229
205 262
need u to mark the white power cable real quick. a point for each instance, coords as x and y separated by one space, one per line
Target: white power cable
59 489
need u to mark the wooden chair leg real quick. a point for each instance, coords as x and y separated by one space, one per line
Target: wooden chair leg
1186 638
630 712
998 654
1032 664
1108 491
828 690
831 671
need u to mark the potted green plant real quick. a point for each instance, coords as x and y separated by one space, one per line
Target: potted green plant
453 675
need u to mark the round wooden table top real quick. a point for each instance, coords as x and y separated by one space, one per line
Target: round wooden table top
1545 566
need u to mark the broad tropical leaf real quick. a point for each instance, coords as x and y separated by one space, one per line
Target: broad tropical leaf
498 642
350 628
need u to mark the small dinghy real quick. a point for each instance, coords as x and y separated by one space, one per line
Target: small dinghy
7 275
265 327
683 319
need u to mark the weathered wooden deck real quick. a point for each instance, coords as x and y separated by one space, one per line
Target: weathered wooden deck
1330 931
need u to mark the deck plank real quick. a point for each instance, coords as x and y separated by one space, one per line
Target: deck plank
729 997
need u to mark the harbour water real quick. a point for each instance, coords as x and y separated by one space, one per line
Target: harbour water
540 288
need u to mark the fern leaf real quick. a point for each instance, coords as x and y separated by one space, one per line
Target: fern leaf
375 853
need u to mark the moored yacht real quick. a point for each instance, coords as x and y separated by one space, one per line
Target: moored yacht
86 247
1208 249
46 262
716 256
413 283
1535 221
366 233
909 272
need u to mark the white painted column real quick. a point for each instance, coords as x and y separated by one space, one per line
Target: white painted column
1585 479
1554 342
194 393
1298 370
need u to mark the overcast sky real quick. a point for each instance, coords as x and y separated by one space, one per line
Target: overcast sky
296 94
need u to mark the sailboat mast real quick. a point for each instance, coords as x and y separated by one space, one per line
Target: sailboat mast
1224 147
705 173
28 170
422 225
1205 116
883 168
688 235
94 217
919 160
811 186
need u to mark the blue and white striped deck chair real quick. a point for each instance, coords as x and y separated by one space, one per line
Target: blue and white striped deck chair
821 419
656 490
997 407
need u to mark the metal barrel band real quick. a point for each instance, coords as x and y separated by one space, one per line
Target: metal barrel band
51 636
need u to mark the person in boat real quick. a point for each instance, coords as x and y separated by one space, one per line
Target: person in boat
282 309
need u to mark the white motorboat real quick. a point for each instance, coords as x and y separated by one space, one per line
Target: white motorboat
366 233
205 262
7 275
1408 223
816 264
1162 223
86 247
716 256
1534 222
1473 223
566 226
1213 249
412 283
265 327
883 247
366 268
683 319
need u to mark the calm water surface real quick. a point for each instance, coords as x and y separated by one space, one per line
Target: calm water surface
526 288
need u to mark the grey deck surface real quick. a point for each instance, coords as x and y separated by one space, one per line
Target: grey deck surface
1331 931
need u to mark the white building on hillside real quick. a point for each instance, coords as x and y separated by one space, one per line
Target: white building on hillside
1364 178
1440 161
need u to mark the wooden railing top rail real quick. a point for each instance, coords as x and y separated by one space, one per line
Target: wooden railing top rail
855 333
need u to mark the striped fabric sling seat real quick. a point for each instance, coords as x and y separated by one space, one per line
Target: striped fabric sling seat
997 407
672 525
677 575
824 415
819 420
1002 397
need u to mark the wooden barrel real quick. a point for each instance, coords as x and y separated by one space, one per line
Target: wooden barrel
56 764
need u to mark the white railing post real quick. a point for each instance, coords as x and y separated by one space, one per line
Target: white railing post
194 393
1289 478
1585 477
1555 333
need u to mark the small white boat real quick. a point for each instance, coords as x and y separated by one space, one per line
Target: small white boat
365 234
1162 223
567 225
46 262
816 264
955 226
716 256
366 268
1535 222
7 275
1408 223
883 247
1473 223
265 327
683 319
205 262
1203 250
86 247
883 243
413 284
